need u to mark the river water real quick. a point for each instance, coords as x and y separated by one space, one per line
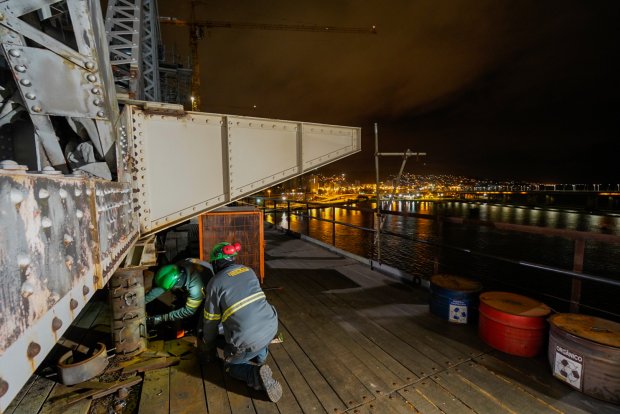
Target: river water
422 257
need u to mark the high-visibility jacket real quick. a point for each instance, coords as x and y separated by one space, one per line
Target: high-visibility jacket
236 300
197 274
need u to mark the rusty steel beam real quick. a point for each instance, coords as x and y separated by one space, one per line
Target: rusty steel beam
62 238
128 314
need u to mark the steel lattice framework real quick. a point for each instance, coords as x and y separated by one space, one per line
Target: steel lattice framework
132 29
123 27
150 55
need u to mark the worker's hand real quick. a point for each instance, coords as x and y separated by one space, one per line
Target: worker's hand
153 321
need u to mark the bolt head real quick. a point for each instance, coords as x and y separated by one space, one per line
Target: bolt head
20 68
25 82
15 52
100 114
31 95
90 65
91 78
36 108
98 102
96 91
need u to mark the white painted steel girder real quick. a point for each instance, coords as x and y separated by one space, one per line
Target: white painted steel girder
62 239
184 164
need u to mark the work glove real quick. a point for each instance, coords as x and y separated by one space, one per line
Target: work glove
153 321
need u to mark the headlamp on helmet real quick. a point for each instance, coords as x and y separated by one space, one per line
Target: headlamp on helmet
225 251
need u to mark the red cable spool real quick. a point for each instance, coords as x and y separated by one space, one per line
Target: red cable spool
512 323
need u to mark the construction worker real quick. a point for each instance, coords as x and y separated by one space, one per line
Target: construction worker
189 276
235 300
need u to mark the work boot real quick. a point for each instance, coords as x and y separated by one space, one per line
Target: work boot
272 386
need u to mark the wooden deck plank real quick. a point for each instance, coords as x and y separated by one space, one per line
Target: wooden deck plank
512 396
155 394
287 404
469 393
389 350
187 393
297 385
51 405
437 396
326 395
343 345
396 404
348 387
215 387
34 398
384 298
532 374
419 400
239 396
389 337
342 316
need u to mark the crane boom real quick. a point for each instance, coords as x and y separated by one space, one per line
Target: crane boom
196 28
220 24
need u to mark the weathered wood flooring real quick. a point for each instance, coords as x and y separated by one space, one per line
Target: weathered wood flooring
355 341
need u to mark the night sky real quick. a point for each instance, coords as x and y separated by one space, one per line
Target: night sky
507 90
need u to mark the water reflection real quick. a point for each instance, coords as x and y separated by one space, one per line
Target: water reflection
419 258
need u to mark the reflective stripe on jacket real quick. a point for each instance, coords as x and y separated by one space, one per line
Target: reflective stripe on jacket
198 273
235 298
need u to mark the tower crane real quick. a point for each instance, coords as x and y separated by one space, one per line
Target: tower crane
197 27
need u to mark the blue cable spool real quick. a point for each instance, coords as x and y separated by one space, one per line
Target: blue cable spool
454 298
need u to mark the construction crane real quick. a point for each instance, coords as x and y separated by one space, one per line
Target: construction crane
196 31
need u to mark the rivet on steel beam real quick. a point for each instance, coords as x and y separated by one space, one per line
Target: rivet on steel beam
20 68
97 102
68 239
16 196
85 290
78 192
79 214
27 290
43 193
90 65
46 222
56 324
95 280
96 91
88 191
15 52
31 95
100 114
62 193
33 350
4 387
25 82
91 78
23 261
73 304
69 262
36 108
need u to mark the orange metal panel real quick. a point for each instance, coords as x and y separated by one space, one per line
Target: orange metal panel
235 224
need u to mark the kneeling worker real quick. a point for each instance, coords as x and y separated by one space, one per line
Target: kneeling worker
235 299
188 276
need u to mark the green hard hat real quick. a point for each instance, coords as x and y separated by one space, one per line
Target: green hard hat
224 250
167 276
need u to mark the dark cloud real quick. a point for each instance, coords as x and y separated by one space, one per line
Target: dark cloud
502 89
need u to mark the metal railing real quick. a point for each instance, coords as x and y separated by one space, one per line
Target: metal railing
302 210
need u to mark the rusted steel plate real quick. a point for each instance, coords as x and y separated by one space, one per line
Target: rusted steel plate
48 245
116 224
62 238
